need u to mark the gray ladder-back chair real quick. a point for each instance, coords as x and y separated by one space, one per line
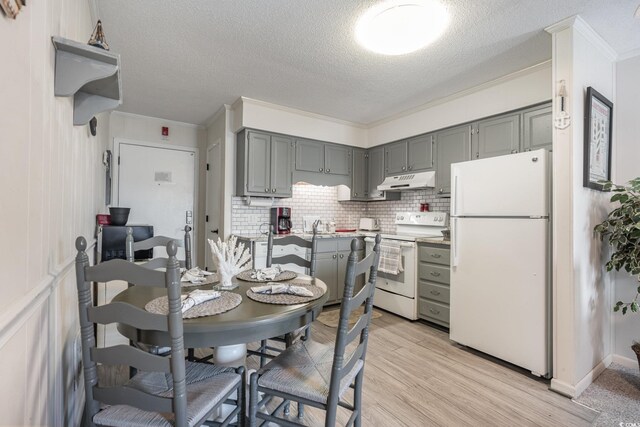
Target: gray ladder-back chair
170 391
156 241
266 351
316 374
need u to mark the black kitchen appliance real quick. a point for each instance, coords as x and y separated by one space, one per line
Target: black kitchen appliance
112 241
281 220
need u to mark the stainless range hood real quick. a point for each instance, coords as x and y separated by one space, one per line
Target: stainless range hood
410 181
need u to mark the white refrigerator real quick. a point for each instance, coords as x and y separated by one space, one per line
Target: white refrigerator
500 246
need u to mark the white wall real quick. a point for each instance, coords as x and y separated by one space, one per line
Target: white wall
149 129
626 167
251 113
52 185
526 87
582 289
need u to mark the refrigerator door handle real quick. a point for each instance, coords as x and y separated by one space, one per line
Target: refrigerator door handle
454 242
456 196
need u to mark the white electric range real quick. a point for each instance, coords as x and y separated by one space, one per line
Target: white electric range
398 293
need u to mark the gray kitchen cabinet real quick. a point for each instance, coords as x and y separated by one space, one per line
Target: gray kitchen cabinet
309 156
433 283
359 187
321 157
337 159
412 155
496 136
395 157
420 153
537 128
263 164
452 146
375 172
327 271
331 266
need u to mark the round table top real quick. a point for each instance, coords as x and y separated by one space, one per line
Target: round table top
249 322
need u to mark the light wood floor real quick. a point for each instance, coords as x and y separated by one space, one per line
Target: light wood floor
415 376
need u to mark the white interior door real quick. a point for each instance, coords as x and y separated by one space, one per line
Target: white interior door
214 199
158 184
499 288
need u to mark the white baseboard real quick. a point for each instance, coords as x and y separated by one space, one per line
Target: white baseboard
574 391
625 361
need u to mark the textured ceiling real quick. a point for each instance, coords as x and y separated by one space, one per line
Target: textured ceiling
181 60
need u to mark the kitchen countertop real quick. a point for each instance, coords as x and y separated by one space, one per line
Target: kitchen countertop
308 236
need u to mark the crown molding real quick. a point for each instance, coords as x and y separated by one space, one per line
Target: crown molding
581 26
217 114
157 119
629 54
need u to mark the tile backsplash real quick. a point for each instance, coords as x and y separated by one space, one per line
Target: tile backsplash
319 200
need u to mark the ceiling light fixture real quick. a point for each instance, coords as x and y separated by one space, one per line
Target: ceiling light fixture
398 27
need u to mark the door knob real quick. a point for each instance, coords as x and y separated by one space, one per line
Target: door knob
328 170
266 190
321 169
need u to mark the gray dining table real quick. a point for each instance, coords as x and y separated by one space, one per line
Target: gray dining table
249 322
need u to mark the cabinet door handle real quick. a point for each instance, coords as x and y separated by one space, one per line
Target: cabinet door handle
410 167
355 194
435 292
514 151
404 168
435 255
434 274
273 190
321 169
335 256
440 191
341 256
477 154
266 190
434 311
328 170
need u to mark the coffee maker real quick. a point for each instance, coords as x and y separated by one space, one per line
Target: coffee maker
281 220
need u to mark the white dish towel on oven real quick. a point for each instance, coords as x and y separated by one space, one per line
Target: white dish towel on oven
390 257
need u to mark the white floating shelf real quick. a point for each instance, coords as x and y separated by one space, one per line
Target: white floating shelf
90 74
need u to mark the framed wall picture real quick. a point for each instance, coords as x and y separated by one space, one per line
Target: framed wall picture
598 120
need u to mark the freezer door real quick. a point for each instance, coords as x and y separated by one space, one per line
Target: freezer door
499 289
511 185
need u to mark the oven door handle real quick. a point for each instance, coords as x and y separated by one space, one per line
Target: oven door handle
402 245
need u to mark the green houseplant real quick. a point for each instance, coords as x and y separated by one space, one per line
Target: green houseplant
622 230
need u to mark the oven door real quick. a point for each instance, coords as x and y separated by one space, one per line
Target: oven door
404 283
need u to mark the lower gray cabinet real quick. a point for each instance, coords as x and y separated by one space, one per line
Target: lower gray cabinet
433 283
331 266
452 146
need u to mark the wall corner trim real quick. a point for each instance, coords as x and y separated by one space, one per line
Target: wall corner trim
581 26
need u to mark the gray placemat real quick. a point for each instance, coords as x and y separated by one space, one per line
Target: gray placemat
227 301
285 275
209 279
287 299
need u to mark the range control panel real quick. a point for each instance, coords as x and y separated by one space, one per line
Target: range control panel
438 219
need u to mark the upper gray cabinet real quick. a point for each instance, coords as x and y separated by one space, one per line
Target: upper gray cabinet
496 136
452 145
263 164
524 130
376 174
321 157
412 155
337 159
359 187
309 156
537 128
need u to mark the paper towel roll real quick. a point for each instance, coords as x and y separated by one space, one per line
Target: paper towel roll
258 201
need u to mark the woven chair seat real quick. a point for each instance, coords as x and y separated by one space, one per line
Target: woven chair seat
304 370
206 386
